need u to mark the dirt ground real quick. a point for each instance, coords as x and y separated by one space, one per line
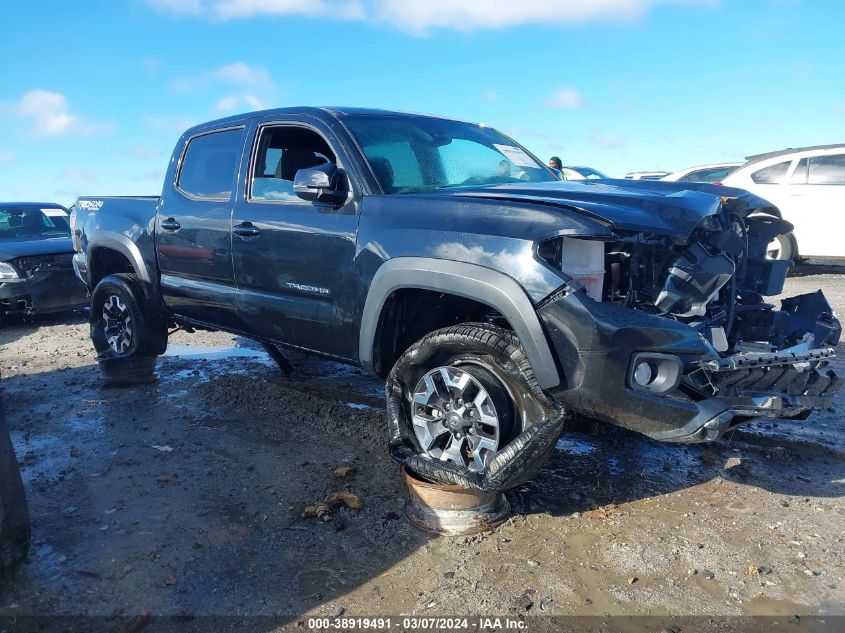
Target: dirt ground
185 498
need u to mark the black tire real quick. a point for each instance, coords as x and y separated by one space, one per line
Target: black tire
14 514
127 354
788 247
530 422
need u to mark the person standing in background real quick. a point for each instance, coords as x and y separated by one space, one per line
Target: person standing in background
557 166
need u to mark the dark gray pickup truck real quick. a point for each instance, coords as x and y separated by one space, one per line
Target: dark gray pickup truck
445 257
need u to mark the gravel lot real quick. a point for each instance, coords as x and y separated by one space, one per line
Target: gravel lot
185 497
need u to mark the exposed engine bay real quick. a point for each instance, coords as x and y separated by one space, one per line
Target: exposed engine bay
771 359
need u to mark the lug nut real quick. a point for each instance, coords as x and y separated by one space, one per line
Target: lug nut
472 414
460 402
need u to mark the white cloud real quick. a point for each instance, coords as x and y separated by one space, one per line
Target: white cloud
5 155
469 15
77 176
421 16
607 140
239 9
338 9
491 95
151 64
48 112
234 103
240 73
565 99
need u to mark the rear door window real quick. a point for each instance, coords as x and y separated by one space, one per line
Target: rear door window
799 176
210 163
771 175
827 170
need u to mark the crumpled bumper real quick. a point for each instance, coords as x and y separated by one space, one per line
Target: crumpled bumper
53 290
598 345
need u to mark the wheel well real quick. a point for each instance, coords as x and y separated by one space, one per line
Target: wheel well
410 313
105 261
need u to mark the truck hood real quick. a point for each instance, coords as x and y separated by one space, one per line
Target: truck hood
10 249
666 208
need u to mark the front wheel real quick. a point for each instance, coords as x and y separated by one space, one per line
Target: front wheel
782 247
465 409
126 333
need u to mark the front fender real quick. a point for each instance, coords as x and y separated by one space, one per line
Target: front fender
471 281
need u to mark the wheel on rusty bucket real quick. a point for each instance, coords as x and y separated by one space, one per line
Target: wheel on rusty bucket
465 395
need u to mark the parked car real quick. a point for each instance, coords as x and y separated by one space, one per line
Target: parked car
808 186
645 175
490 302
714 173
36 255
14 514
583 173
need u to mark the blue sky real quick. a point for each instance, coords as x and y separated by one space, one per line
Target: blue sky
95 93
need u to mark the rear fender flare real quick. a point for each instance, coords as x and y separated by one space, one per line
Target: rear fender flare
471 281
120 243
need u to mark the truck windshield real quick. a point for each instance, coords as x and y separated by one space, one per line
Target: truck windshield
410 154
31 223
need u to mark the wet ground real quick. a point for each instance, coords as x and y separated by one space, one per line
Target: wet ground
185 497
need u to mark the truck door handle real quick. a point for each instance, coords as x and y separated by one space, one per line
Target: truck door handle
170 224
246 229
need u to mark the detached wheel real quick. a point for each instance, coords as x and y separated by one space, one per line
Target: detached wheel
783 247
465 408
126 333
14 514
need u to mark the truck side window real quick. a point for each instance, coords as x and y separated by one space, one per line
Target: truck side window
280 152
209 165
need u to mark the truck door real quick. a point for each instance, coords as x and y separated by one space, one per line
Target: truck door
293 259
194 229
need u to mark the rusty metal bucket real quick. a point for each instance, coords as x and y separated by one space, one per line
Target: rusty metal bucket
452 510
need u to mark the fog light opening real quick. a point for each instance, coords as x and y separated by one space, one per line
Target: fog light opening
655 373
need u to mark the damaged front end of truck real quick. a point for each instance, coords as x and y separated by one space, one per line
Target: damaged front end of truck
678 337
663 320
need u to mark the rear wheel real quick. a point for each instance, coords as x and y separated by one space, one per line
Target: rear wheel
126 332
465 408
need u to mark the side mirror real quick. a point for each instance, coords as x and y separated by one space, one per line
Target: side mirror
323 183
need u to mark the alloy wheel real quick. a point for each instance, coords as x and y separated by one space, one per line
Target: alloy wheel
455 419
118 324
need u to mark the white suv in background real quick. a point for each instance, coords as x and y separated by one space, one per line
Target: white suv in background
808 186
